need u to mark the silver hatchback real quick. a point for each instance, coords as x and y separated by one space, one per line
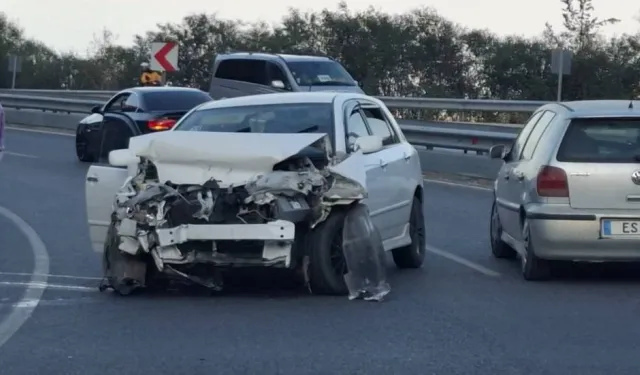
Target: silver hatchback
569 188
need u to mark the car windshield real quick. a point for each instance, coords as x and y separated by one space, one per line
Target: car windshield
601 140
320 73
271 118
178 100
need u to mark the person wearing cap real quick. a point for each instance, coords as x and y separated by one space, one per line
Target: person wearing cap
149 77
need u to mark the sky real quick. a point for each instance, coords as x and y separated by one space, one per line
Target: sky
71 25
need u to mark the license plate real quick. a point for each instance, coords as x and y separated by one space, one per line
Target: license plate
620 228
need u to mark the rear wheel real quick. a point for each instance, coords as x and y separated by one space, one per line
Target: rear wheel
533 268
499 248
412 256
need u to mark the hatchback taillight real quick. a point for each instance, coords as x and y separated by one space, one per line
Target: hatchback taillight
552 182
160 124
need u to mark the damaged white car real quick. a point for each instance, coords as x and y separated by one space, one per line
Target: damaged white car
322 182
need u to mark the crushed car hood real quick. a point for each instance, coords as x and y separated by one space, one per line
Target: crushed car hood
185 157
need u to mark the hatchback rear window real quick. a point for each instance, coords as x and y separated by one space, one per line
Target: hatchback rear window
178 100
601 140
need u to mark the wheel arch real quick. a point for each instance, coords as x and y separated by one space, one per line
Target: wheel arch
419 193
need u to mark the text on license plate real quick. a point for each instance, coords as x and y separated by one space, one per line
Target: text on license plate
614 228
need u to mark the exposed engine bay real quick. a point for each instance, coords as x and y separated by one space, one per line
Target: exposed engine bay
186 231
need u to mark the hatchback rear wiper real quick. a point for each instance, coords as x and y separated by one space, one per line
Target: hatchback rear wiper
309 129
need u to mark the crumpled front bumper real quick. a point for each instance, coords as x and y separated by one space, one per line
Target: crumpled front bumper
278 237
278 230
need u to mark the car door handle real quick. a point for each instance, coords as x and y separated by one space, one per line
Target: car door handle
92 178
383 163
519 175
407 156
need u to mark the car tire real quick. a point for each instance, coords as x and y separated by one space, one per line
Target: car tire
412 256
327 265
111 255
499 248
533 268
82 147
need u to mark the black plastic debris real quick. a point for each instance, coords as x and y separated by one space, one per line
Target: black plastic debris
365 256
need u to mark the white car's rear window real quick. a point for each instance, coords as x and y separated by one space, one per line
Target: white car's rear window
271 118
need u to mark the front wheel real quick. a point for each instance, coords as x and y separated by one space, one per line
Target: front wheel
327 264
83 149
120 268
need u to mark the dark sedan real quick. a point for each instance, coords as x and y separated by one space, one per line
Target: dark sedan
132 112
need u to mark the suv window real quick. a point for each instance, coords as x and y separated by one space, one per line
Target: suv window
601 140
276 74
536 134
178 100
516 149
252 71
320 73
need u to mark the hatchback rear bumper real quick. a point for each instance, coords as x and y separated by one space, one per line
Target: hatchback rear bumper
562 233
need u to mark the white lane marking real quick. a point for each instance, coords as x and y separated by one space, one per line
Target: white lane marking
458 184
47 303
460 260
12 323
20 155
51 276
39 285
41 131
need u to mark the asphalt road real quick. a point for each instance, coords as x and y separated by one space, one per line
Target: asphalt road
463 313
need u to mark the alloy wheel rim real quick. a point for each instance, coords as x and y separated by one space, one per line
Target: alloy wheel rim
416 231
525 245
495 226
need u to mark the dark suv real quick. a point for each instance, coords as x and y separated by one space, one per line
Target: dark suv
248 73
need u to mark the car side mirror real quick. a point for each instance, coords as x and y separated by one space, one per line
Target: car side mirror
97 109
122 158
498 152
368 144
277 84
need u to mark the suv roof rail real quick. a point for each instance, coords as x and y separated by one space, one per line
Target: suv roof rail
278 55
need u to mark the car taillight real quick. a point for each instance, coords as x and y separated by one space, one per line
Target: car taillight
159 125
552 182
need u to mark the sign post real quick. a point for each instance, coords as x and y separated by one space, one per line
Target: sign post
561 65
164 58
15 67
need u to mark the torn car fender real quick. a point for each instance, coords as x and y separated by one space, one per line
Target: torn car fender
350 180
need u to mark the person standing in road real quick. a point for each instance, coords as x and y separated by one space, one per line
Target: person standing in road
1 131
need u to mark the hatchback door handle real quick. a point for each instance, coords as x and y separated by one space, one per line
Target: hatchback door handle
519 175
383 163
407 157
92 178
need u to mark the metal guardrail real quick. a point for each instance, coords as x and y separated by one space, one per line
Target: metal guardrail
46 103
478 137
391 102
